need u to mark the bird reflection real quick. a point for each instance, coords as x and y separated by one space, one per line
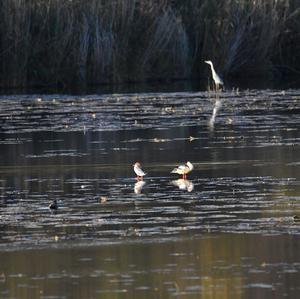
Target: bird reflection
217 106
138 187
184 184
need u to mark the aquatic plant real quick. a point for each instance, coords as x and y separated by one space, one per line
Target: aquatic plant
64 43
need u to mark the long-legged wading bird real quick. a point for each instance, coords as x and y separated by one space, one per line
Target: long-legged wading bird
183 169
217 79
138 171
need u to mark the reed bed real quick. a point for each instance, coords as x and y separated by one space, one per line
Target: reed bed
67 43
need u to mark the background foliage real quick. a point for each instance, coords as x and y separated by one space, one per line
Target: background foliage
72 42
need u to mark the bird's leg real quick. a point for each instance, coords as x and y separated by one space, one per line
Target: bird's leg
218 91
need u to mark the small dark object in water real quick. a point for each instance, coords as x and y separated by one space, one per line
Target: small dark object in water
53 205
296 218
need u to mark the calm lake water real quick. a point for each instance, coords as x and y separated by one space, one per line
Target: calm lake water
231 230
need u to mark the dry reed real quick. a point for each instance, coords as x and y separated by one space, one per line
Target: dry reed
63 43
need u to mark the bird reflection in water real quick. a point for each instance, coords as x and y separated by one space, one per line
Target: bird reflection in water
216 109
184 184
138 187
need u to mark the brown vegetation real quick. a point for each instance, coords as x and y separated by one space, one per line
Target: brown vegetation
72 42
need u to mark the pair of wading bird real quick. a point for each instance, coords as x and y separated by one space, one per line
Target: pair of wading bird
181 183
181 169
188 167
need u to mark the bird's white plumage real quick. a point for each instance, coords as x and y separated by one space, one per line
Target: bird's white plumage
183 169
138 169
217 79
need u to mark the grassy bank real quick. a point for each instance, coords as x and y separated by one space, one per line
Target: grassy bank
64 43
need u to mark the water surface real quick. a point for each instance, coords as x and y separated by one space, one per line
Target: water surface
231 230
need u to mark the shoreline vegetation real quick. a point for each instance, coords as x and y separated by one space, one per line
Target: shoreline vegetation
67 43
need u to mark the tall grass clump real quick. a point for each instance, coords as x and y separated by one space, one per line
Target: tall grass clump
67 43
256 27
242 37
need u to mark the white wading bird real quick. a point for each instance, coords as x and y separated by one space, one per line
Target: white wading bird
183 169
138 171
217 79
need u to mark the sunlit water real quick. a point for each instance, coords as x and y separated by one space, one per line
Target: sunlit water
230 231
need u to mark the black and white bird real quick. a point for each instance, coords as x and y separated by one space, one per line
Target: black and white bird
53 205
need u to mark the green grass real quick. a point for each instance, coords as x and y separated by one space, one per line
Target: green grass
67 43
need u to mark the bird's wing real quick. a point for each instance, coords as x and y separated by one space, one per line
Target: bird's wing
180 169
140 172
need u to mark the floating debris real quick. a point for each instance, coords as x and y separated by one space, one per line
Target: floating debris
103 199
229 120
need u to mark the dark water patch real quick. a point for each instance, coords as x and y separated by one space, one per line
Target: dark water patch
209 264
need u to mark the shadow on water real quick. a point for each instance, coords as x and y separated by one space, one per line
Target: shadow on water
164 236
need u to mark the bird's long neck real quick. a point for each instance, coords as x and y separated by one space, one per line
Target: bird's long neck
212 68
